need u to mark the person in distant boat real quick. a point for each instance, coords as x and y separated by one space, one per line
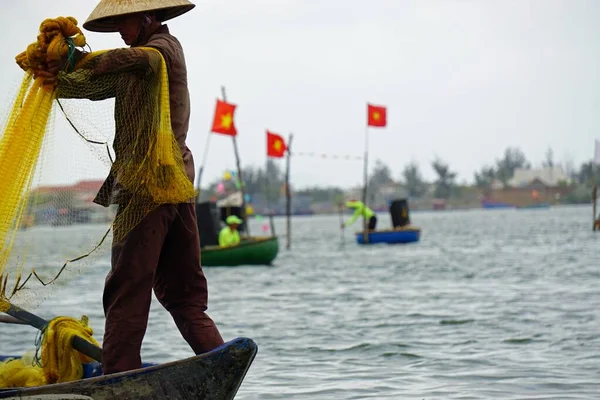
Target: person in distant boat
162 252
360 209
229 235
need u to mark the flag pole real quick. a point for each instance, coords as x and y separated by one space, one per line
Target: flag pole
341 213
288 205
594 196
204 157
239 171
267 186
366 178
595 186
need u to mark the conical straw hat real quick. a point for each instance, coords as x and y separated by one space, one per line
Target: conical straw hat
102 19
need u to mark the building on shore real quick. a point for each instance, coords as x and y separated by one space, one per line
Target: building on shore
529 188
67 204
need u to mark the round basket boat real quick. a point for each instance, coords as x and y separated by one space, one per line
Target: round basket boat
251 251
393 236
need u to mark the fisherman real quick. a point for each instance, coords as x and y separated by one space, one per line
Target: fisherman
360 209
229 235
162 252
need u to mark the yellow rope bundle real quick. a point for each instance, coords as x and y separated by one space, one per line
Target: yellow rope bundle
59 361
51 45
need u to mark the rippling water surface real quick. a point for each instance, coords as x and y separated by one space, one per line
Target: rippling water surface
498 304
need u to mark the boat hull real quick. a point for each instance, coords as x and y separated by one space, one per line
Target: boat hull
398 236
252 251
217 375
491 204
534 206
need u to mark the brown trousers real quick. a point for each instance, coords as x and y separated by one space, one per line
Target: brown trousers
162 253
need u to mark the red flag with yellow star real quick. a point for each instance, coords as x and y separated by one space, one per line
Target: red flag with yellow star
376 116
223 121
275 145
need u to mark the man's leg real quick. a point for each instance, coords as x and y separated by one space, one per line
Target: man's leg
128 290
180 284
372 223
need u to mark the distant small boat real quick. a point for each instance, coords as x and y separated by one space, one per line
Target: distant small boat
402 231
256 250
253 250
408 234
217 374
495 204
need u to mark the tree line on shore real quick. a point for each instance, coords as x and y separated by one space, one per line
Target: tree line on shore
269 179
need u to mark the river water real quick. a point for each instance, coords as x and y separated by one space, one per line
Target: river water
491 304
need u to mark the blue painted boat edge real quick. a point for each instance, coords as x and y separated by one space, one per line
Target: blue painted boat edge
390 237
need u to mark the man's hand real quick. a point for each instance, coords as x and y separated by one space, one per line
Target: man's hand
50 74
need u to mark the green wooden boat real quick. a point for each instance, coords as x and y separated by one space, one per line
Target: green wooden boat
255 250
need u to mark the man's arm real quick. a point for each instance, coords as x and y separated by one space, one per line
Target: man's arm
100 76
80 84
353 217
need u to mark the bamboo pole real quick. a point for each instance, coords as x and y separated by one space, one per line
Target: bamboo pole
272 224
341 213
240 177
594 197
78 343
288 200
365 188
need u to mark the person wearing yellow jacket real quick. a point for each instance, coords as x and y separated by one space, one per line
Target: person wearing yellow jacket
229 235
360 209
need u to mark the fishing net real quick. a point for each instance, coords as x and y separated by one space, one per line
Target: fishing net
107 114
54 361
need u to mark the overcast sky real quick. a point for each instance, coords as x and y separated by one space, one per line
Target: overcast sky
462 80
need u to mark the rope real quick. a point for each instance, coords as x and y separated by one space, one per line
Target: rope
105 144
54 361
33 273
329 156
57 40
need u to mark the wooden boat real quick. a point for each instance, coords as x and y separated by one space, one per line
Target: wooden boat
255 250
408 234
217 375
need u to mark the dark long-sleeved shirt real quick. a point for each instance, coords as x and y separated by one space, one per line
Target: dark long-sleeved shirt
124 74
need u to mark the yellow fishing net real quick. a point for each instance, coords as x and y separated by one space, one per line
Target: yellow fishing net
119 96
57 363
